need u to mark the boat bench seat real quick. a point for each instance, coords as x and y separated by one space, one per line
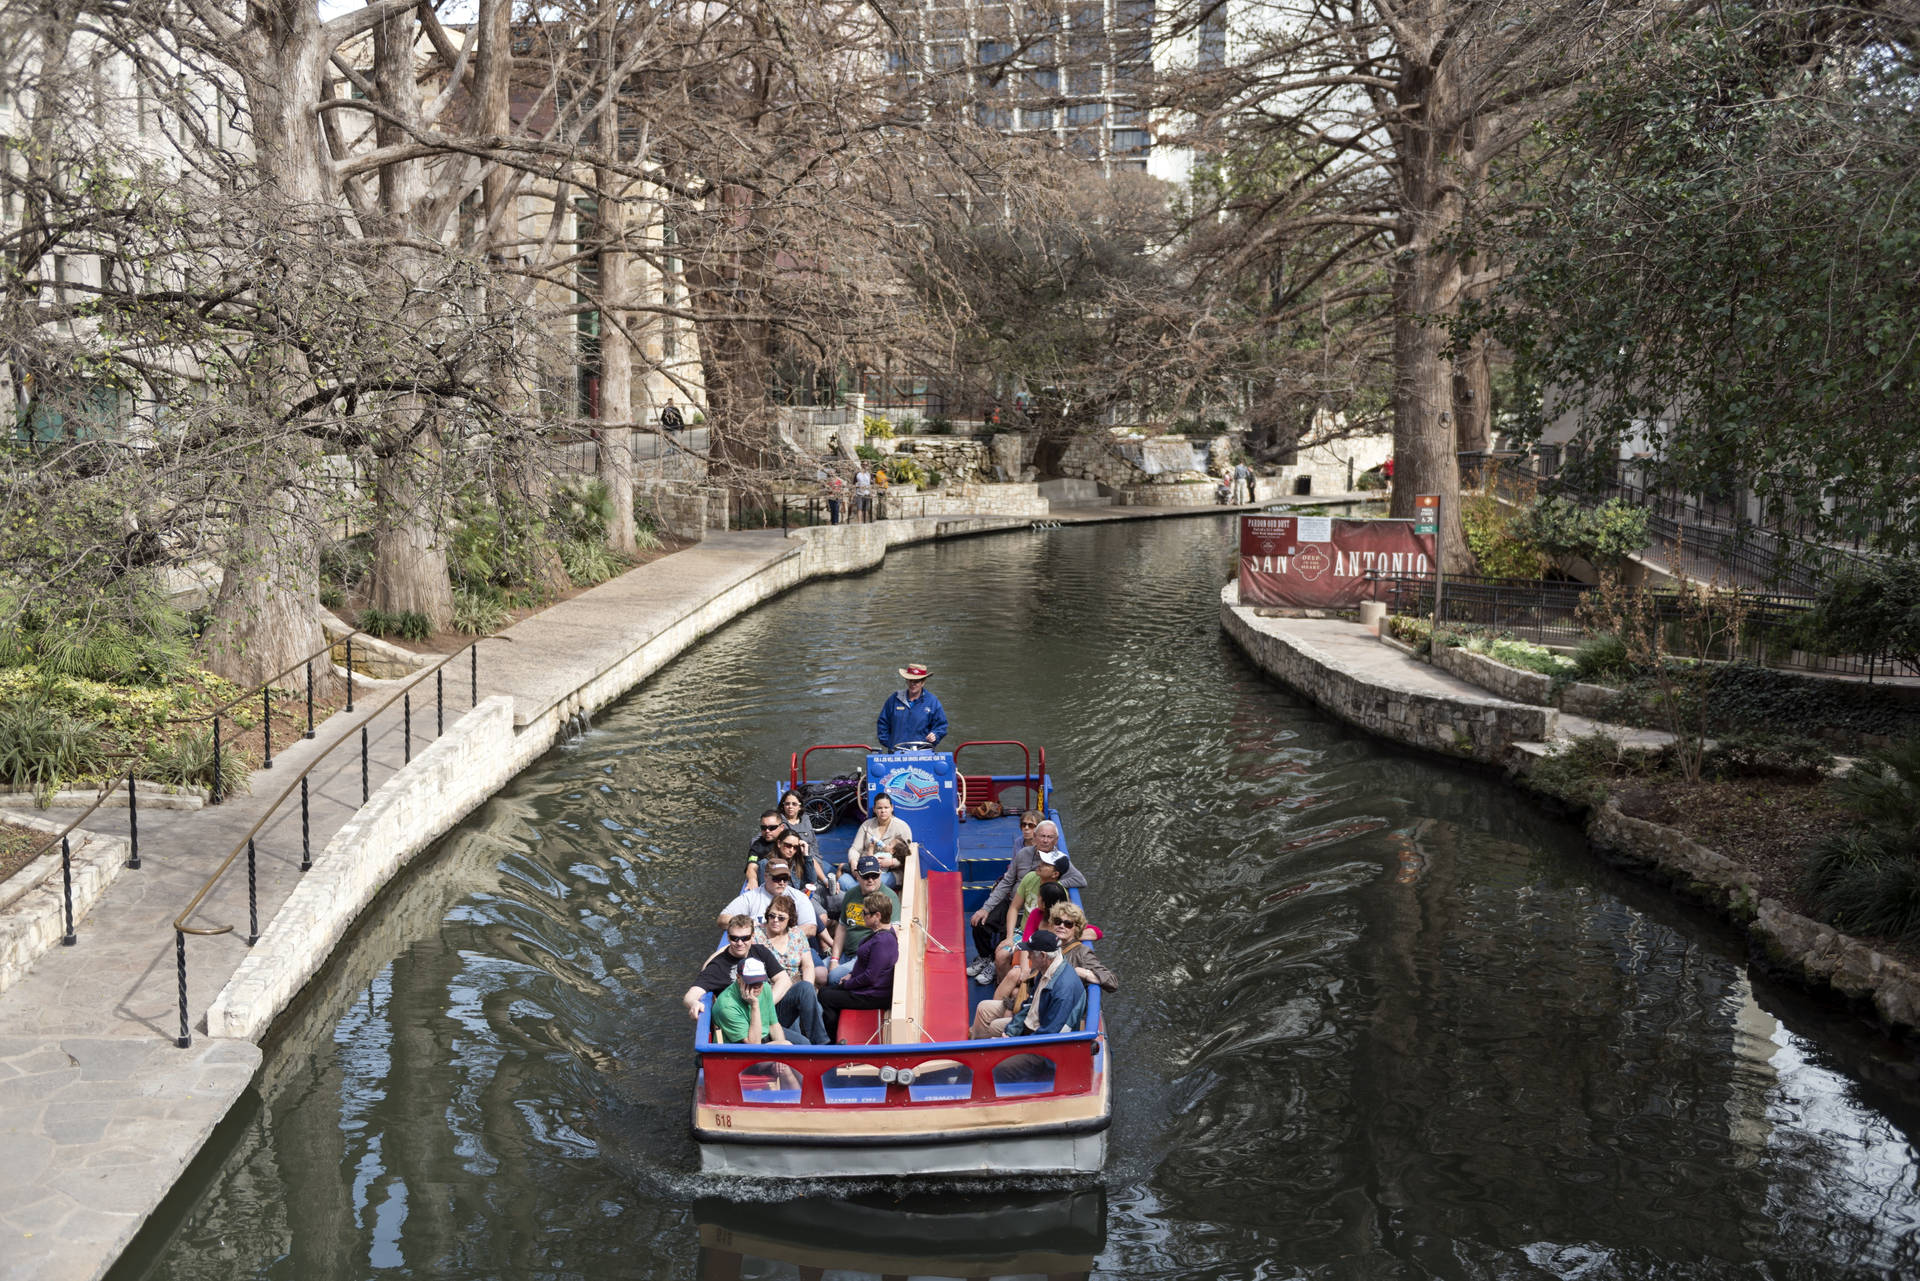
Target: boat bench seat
859 1027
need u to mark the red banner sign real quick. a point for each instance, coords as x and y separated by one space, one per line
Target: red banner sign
1322 561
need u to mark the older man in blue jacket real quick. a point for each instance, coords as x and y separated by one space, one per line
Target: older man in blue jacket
912 717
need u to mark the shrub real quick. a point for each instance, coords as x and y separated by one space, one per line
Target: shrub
407 624
145 646
874 426
1524 655
1784 756
933 479
1867 880
904 471
331 595
1578 773
1371 481
587 562
1601 656
1604 535
478 613
697 419
1417 632
908 426
42 746
187 760
868 453
1868 609
582 511
939 425
1498 537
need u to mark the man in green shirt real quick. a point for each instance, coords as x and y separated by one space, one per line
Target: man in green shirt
743 1013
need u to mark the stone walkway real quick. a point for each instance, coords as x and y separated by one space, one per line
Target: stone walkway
99 1111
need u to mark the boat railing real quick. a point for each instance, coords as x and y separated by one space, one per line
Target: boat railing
1073 1058
1026 766
797 767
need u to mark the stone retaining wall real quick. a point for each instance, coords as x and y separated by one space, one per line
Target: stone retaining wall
1468 726
966 500
32 905
1814 954
1494 676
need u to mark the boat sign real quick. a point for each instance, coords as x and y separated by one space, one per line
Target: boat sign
911 788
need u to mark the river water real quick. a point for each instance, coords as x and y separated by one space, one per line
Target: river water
1381 1017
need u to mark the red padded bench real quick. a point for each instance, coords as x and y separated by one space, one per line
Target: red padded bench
946 1015
859 1027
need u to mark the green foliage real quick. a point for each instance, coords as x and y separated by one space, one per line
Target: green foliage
582 511
187 760
902 469
1602 656
1791 757
1868 609
1724 250
1524 655
908 426
1604 535
876 427
1500 540
1579 773
146 645
345 563
331 596
867 453
939 425
933 479
1371 481
1417 632
478 613
1868 879
588 562
42 746
407 624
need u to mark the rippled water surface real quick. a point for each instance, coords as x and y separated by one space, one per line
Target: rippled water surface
1380 1017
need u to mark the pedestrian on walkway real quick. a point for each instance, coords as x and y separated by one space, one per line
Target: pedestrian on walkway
863 494
670 419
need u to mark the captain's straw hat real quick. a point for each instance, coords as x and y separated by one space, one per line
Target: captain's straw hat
915 671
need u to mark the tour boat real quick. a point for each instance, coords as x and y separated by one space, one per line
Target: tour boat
905 1092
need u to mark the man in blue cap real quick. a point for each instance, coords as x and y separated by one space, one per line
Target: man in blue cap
912 717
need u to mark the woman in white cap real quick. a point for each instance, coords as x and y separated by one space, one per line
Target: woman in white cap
912 717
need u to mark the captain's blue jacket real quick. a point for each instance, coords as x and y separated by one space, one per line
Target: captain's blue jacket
904 722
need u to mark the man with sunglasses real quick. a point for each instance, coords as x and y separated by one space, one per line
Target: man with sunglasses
810 878
752 901
854 927
773 830
1044 839
796 1005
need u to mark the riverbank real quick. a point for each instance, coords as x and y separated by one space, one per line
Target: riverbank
1384 689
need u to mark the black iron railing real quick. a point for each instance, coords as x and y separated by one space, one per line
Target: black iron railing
250 842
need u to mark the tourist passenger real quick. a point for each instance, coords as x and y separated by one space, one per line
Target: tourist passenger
869 984
796 961
911 717
766 844
875 839
1046 837
743 1012
753 901
1027 900
792 813
1057 1003
1069 924
798 1010
855 924
811 879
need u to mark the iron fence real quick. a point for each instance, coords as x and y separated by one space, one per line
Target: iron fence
1772 632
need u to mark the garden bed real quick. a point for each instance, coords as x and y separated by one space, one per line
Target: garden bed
16 847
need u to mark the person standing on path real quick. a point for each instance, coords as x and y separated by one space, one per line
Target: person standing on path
670 419
1242 483
912 716
863 494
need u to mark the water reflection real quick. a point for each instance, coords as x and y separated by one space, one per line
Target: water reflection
1034 1235
1378 1016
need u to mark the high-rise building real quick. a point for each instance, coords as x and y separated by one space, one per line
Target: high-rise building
1078 71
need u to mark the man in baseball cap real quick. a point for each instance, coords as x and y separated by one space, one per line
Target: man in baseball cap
744 1013
912 717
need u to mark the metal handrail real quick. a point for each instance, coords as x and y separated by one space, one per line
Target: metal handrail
64 837
268 683
1026 766
181 929
799 770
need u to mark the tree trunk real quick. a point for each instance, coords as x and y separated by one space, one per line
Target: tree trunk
616 347
1424 461
264 618
1473 397
409 561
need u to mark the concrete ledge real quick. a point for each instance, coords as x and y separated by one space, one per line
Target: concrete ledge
1815 955
32 908
457 771
1495 676
1389 700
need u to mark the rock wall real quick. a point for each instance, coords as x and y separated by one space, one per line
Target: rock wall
1495 677
32 907
956 458
967 500
1481 729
